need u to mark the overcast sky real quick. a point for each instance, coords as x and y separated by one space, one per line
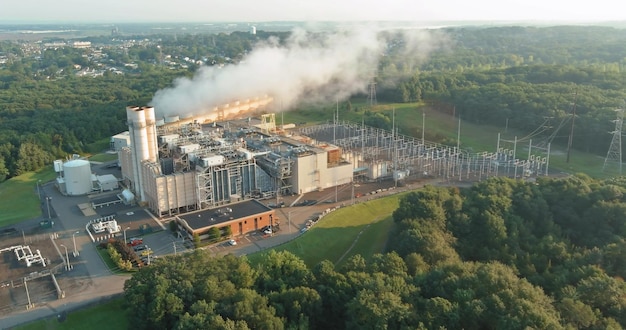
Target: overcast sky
12 11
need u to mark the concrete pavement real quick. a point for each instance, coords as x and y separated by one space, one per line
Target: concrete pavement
91 279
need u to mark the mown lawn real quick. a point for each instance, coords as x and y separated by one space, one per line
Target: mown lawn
359 229
108 315
18 196
103 157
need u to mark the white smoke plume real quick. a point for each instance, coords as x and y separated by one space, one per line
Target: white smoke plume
307 67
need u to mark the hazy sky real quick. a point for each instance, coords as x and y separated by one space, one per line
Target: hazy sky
12 11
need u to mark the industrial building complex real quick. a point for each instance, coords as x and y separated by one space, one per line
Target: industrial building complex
195 168
204 163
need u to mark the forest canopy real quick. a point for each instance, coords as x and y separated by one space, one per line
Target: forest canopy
503 254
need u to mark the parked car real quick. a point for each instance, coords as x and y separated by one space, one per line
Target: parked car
269 229
232 242
135 241
307 202
145 258
139 248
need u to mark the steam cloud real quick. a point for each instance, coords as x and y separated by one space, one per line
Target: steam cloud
306 68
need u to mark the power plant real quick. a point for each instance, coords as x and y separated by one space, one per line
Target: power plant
233 153
177 165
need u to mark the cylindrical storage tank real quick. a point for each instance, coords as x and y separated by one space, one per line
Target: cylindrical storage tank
58 165
77 174
128 196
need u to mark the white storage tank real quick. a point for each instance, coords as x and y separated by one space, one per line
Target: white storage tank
128 196
77 174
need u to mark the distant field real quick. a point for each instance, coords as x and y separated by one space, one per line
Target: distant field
360 229
109 315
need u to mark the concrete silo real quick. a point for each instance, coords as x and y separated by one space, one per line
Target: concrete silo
77 177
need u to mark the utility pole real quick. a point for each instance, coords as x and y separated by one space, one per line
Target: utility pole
38 191
615 150
423 125
48 205
67 258
289 220
458 135
571 133
76 254
395 149
148 252
30 305
352 197
335 120
125 229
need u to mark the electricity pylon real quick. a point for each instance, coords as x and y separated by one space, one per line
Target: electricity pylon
615 150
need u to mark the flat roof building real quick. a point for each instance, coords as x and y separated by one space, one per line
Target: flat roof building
242 218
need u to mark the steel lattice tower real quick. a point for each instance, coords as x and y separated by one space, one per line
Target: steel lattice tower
615 150
371 98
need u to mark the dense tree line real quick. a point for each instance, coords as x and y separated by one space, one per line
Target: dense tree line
503 254
41 120
522 75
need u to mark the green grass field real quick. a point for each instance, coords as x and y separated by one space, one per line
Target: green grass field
19 196
359 229
103 157
108 315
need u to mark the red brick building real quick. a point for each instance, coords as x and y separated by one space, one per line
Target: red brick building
242 218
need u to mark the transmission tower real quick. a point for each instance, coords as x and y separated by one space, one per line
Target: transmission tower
371 98
615 150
